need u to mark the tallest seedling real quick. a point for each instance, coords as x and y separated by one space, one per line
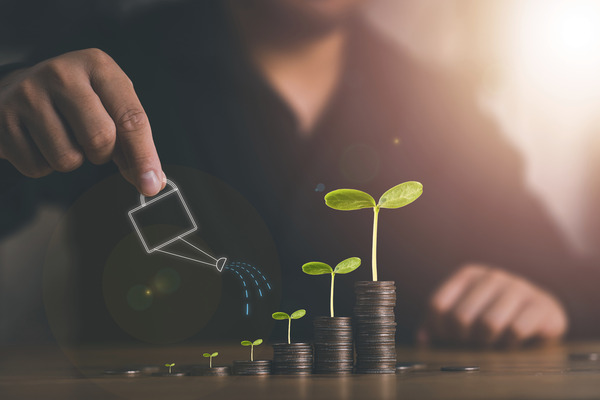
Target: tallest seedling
351 199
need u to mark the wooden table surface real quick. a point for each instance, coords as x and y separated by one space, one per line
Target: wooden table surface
49 372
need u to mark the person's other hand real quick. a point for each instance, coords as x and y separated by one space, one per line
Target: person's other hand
491 307
80 104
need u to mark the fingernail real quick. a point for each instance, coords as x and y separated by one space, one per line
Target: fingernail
149 183
164 180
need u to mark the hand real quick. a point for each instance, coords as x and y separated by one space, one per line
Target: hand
80 104
489 306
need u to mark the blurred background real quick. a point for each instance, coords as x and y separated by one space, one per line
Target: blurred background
536 64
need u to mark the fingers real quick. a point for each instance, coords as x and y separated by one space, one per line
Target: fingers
540 320
479 305
525 325
473 302
133 133
555 325
492 323
75 106
91 125
444 300
50 136
20 150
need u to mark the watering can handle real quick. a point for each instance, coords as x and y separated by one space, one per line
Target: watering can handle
169 183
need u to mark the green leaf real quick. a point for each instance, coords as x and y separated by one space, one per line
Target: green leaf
347 266
216 353
349 199
257 342
401 195
280 315
169 365
298 314
246 343
316 268
206 355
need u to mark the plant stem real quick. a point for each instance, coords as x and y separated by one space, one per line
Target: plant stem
251 352
331 301
289 330
210 362
374 260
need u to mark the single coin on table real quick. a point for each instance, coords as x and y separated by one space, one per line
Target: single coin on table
409 366
131 372
460 368
584 357
170 374
148 369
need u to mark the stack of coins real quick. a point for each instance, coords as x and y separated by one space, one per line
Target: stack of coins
375 327
292 359
258 367
334 353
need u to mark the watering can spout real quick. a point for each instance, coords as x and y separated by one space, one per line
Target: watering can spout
221 263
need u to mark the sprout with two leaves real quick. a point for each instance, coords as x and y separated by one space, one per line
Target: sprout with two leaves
257 342
210 357
351 199
170 366
283 316
319 268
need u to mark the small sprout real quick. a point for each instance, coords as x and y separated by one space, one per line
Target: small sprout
350 199
210 357
319 268
170 366
283 316
257 342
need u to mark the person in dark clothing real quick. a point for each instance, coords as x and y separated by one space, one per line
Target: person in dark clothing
275 97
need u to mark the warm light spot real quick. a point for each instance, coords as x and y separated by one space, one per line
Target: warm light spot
556 43
397 141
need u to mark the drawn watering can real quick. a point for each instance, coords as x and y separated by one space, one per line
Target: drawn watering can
155 227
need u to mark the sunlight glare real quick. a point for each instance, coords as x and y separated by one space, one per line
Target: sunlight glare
557 45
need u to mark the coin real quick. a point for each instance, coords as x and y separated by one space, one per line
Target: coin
402 366
585 357
292 359
207 371
131 372
375 327
258 367
148 369
460 368
375 371
374 283
170 375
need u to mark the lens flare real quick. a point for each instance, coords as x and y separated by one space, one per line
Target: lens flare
139 297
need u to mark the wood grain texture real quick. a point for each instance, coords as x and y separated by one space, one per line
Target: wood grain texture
49 372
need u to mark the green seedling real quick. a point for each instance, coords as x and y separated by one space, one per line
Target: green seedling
295 315
170 366
257 342
319 268
210 357
351 199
